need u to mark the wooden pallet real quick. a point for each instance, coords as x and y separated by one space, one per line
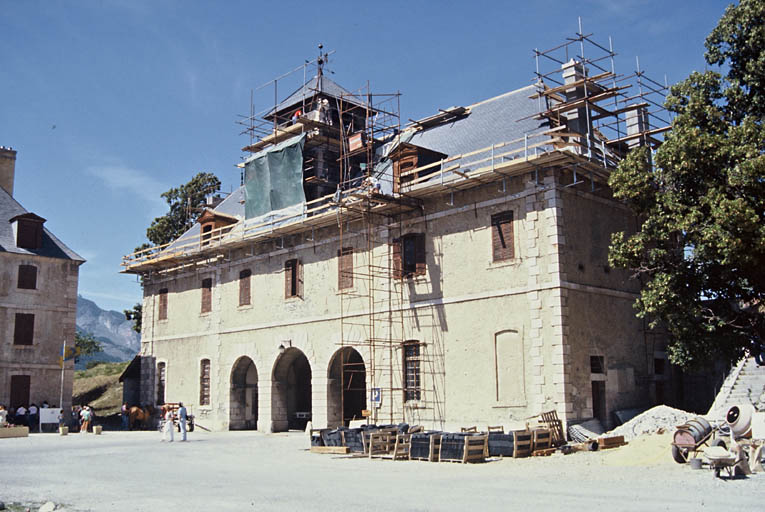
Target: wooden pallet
381 444
498 428
469 429
434 452
401 449
523 441
551 421
542 439
474 450
337 450
543 453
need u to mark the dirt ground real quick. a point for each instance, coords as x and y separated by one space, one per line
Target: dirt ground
251 471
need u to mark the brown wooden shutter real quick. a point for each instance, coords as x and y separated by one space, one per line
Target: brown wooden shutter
299 290
204 382
398 272
502 236
20 385
289 276
161 379
345 268
244 287
27 277
206 295
163 304
419 254
24 329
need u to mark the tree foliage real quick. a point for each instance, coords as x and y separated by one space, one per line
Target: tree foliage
700 248
184 203
135 315
86 344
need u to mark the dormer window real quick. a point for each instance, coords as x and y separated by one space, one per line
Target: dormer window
407 157
28 230
212 224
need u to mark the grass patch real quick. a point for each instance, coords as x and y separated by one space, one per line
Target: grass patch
100 388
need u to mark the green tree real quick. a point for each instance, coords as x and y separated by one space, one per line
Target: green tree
184 203
135 315
86 344
700 248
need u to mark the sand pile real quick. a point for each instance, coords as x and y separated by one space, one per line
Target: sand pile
647 450
651 421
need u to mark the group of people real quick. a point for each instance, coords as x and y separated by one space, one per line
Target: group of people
168 424
82 419
23 415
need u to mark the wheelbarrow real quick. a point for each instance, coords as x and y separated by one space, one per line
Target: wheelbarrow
720 459
691 438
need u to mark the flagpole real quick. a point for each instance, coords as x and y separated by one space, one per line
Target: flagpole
63 362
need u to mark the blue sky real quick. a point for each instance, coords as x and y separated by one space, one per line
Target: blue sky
109 103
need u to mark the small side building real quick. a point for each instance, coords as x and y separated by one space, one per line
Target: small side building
38 302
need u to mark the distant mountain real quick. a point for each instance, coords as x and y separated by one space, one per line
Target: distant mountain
116 334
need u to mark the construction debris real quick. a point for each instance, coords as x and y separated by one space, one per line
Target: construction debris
656 420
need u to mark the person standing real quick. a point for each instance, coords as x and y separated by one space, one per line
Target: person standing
85 419
167 427
21 416
182 416
125 414
34 418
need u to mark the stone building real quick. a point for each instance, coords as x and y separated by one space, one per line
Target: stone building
38 302
450 273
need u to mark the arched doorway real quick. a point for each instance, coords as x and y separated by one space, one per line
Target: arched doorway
291 391
243 408
346 388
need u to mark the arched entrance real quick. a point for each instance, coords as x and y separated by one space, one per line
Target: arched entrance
243 408
291 391
346 388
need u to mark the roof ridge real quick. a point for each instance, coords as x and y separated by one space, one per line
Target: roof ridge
504 94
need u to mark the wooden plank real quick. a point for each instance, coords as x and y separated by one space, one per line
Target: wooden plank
337 450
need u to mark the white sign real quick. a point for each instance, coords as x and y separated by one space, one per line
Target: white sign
375 396
49 415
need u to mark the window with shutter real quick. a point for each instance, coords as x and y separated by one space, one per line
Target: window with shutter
244 287
398 271
24 329
411 365
27 277
163 304
502 236
206 295
293 278
204 382
29 235
345 268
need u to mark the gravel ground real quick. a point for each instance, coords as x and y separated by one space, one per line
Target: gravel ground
251 471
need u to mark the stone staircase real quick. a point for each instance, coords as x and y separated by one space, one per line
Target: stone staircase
745 384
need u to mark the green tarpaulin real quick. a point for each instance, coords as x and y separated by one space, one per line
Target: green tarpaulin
273 178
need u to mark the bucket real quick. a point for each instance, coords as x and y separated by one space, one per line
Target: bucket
97 429
695 463
63 430
739 419
693 432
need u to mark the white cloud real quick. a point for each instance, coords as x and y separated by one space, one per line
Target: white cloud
133 181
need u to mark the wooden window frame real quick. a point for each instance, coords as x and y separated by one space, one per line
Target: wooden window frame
29 234
411 357
293 278
409 256
345 268
502 233
205 371
24 329
245 287
162 312
27 279
206 303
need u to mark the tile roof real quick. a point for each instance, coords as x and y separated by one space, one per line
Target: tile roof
500 119
52 247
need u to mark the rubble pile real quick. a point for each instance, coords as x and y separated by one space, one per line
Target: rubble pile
657 419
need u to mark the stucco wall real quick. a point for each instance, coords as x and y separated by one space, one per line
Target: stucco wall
501 340
54 304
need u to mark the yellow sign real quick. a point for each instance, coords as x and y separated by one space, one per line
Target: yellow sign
366 413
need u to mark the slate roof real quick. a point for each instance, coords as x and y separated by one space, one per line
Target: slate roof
499 119
316 85
52 247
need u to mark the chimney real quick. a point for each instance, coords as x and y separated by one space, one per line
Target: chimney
637 124
7 168
576 120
